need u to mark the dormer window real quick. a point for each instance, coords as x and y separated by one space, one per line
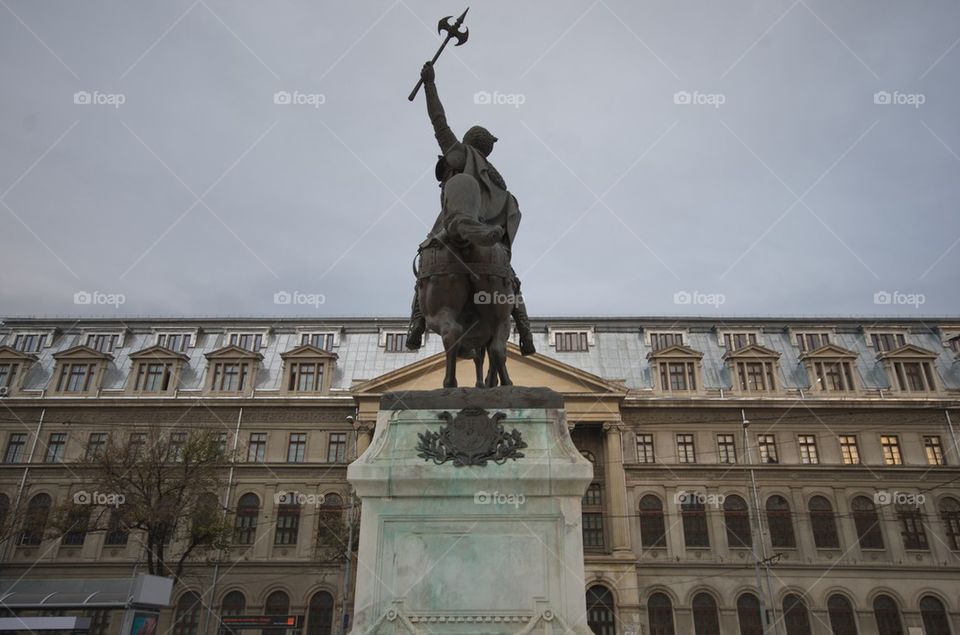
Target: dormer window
910 369
30 342
736 341
308 370
885 342
232 370
79 370
13 369
156 370
754 369
103 342
571 341
807 341
830 369
676 369
660 340
251 341
325 340
177 342
393 341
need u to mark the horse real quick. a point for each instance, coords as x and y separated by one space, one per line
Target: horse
465 286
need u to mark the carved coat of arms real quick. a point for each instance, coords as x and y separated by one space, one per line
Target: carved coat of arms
473 437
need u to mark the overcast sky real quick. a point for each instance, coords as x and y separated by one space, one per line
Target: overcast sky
677 157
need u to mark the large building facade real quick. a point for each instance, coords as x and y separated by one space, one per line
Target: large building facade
796 474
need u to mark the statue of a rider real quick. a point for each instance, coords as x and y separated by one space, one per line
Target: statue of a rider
499 208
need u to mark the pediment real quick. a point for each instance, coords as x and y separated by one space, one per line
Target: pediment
908 351
533 370
10 353
677 351
308 351
233 351
829 351
82 352
752 351
159 352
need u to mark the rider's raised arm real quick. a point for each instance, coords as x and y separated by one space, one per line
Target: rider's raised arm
438 118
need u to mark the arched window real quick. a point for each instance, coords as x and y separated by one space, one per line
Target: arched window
950 515
601 615
780 523
795 615
736 517
935 621
35 521
887 614
911 526
660 613
187 619
234 603
653 531
705 618
694 514
288 522
823 523
278 603
320 614
867 521
245 524
842 620
748 614
77 525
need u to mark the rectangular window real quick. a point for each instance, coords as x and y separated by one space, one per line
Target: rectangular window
395 342
571 341
736 341
686 452
593 529
849 449
834 376
288 525
954 344
229 376
7 374
660 341
29 342
76 377
222 444
153 377
55 447
175 450
319 340
297 449
914 376
726 449
103 342
756 376
767 444
677 376
96 444
138 441
911 528
808 449
249 341
177 342
934 450
16 448
257 449
337 447
890 444
306 377
807 342
645 448
885 342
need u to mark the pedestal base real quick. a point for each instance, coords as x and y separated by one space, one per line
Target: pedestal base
491 549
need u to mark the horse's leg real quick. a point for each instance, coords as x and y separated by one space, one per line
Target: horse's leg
451 336
491 372
478 363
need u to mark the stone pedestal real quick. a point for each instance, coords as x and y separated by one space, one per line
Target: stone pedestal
494 548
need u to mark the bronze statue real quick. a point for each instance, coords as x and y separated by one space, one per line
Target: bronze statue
466 290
